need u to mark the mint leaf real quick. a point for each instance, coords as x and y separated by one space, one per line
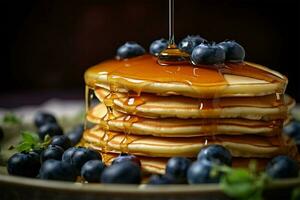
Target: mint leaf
11 118
243 184
30 141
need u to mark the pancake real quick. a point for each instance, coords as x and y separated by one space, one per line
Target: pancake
152 106
144 74
174 127
246 146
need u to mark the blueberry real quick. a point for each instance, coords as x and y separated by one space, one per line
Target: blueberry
50 129
42 118
216 154
124 172
190 42
75 134
24 164
293 131
130 49
177 167
62 141
67 155
158 46
57 170
282 167
234 52
91 171
1 133
123 158
157 179
79 156
207 54
200 172
52 152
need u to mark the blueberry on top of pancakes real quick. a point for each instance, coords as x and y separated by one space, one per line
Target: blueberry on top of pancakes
233 50
188 43
207 54
129 50
158 46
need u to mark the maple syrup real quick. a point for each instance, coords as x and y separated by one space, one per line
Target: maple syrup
172 55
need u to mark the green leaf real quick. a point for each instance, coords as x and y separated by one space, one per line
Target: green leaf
11 118
238 183
243 184
30 141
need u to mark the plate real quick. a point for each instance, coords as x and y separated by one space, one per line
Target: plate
12 187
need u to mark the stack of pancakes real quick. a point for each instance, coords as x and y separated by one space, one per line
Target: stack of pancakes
156 112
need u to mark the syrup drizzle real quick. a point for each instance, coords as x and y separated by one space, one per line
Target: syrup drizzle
172 55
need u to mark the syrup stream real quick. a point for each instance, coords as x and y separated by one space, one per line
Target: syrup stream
172 55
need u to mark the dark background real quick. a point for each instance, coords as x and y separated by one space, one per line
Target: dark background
46 45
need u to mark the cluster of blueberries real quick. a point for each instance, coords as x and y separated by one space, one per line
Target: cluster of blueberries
61 160
183 170
200 50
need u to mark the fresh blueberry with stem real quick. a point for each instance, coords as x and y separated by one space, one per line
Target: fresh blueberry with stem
42 118
91 171
24 164
190 42
158 46
122 173
201 172
177 167
62 141
75 134
52 152
216 154
126 157
50 129
207 54
234 52
158 179
282 167
129 50
78 156
57 170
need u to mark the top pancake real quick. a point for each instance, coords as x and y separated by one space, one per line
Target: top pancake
143 74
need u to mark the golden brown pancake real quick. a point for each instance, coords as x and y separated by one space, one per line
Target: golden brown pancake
245 146
148 105
174 127
144 74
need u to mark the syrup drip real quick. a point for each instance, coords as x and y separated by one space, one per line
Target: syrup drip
172 55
